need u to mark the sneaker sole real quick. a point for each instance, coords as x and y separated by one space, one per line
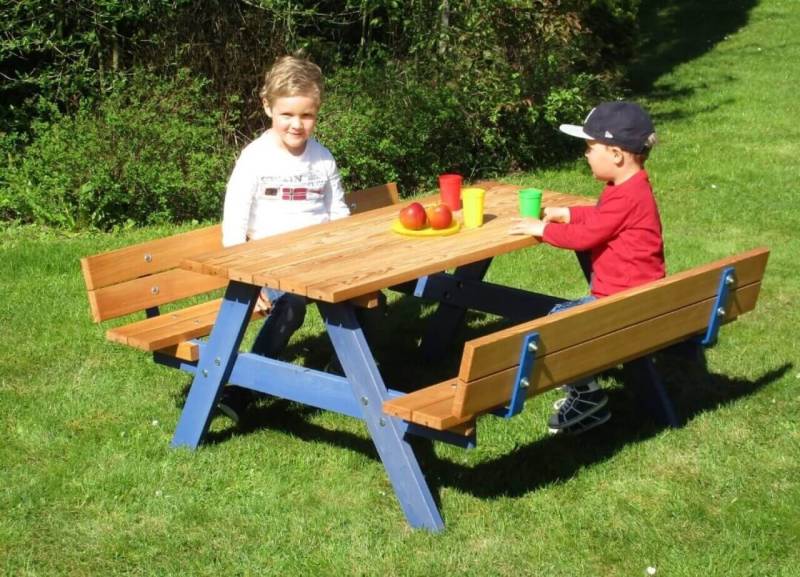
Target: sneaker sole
580 417
583 425
228 412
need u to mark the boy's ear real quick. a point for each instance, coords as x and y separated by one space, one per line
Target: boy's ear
618 154
267 108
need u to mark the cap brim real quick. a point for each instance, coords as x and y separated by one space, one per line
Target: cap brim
574 130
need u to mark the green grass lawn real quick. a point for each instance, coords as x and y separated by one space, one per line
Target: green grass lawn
89 485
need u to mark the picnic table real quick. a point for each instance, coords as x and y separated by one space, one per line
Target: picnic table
341 265
346 264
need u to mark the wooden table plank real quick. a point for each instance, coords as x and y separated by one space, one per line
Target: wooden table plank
350 257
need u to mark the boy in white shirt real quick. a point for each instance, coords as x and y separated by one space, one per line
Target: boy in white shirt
282 181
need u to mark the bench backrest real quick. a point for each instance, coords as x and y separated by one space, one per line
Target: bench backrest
589 338
370 198
146 275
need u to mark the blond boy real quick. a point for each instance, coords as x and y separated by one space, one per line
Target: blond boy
282 181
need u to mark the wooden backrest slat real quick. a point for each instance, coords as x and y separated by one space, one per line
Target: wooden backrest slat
370 198
112 267
150 291
145 275
500 351
589 357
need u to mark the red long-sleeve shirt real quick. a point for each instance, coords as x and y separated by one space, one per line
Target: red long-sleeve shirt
623 233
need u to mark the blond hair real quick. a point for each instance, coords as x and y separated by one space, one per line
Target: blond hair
292 76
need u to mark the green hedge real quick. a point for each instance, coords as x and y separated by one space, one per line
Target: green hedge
147 154
413 91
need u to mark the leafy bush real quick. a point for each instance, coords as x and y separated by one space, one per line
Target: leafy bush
149 153
415 89
481 95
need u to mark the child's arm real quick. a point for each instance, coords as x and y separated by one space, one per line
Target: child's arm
334 196
239 194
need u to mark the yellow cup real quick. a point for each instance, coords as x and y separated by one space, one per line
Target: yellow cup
472 206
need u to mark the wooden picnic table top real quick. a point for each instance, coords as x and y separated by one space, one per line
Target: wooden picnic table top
358 255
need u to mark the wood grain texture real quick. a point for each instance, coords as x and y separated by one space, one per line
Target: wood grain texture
500 350
150 291
341 260
146 258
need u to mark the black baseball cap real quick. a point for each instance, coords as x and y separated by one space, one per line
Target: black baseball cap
623 124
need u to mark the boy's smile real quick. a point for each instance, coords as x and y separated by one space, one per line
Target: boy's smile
294 119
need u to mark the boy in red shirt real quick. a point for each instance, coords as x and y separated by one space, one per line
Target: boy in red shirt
622 232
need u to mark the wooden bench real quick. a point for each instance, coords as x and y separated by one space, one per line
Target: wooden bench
500 370
147 276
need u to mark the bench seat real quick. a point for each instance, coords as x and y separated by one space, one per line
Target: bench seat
171 333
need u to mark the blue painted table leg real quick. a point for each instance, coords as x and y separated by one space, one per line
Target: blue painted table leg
448 318
387 433
215 364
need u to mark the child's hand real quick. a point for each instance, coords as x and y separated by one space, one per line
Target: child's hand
531 226
263 305
556 214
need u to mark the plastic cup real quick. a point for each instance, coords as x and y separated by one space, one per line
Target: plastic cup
450 190
473 206
530 202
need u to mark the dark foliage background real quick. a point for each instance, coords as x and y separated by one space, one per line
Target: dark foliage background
119 111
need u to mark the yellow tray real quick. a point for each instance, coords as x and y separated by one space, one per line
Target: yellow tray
427 231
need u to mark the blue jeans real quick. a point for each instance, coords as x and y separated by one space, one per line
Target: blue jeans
568 305
287 315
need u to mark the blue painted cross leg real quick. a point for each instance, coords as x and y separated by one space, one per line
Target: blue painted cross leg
727 280
527 358
215 364
388 433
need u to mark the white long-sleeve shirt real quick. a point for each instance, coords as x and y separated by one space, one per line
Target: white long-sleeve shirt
271 191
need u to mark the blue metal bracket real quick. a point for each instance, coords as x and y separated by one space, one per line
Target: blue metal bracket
727 280
527 357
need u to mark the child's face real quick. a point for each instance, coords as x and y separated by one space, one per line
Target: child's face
604 160
294 119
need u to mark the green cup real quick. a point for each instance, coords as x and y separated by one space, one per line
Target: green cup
530 202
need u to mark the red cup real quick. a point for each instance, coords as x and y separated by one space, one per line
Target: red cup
450 190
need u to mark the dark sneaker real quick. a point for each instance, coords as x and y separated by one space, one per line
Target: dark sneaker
577 405
233 402
594 420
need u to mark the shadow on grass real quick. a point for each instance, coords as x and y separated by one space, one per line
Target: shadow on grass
548 460
555 459
677 31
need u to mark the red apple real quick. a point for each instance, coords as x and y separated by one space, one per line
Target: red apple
440 217
413 216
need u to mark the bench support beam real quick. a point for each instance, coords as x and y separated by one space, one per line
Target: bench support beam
727 280
448 318
527 357
507 302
